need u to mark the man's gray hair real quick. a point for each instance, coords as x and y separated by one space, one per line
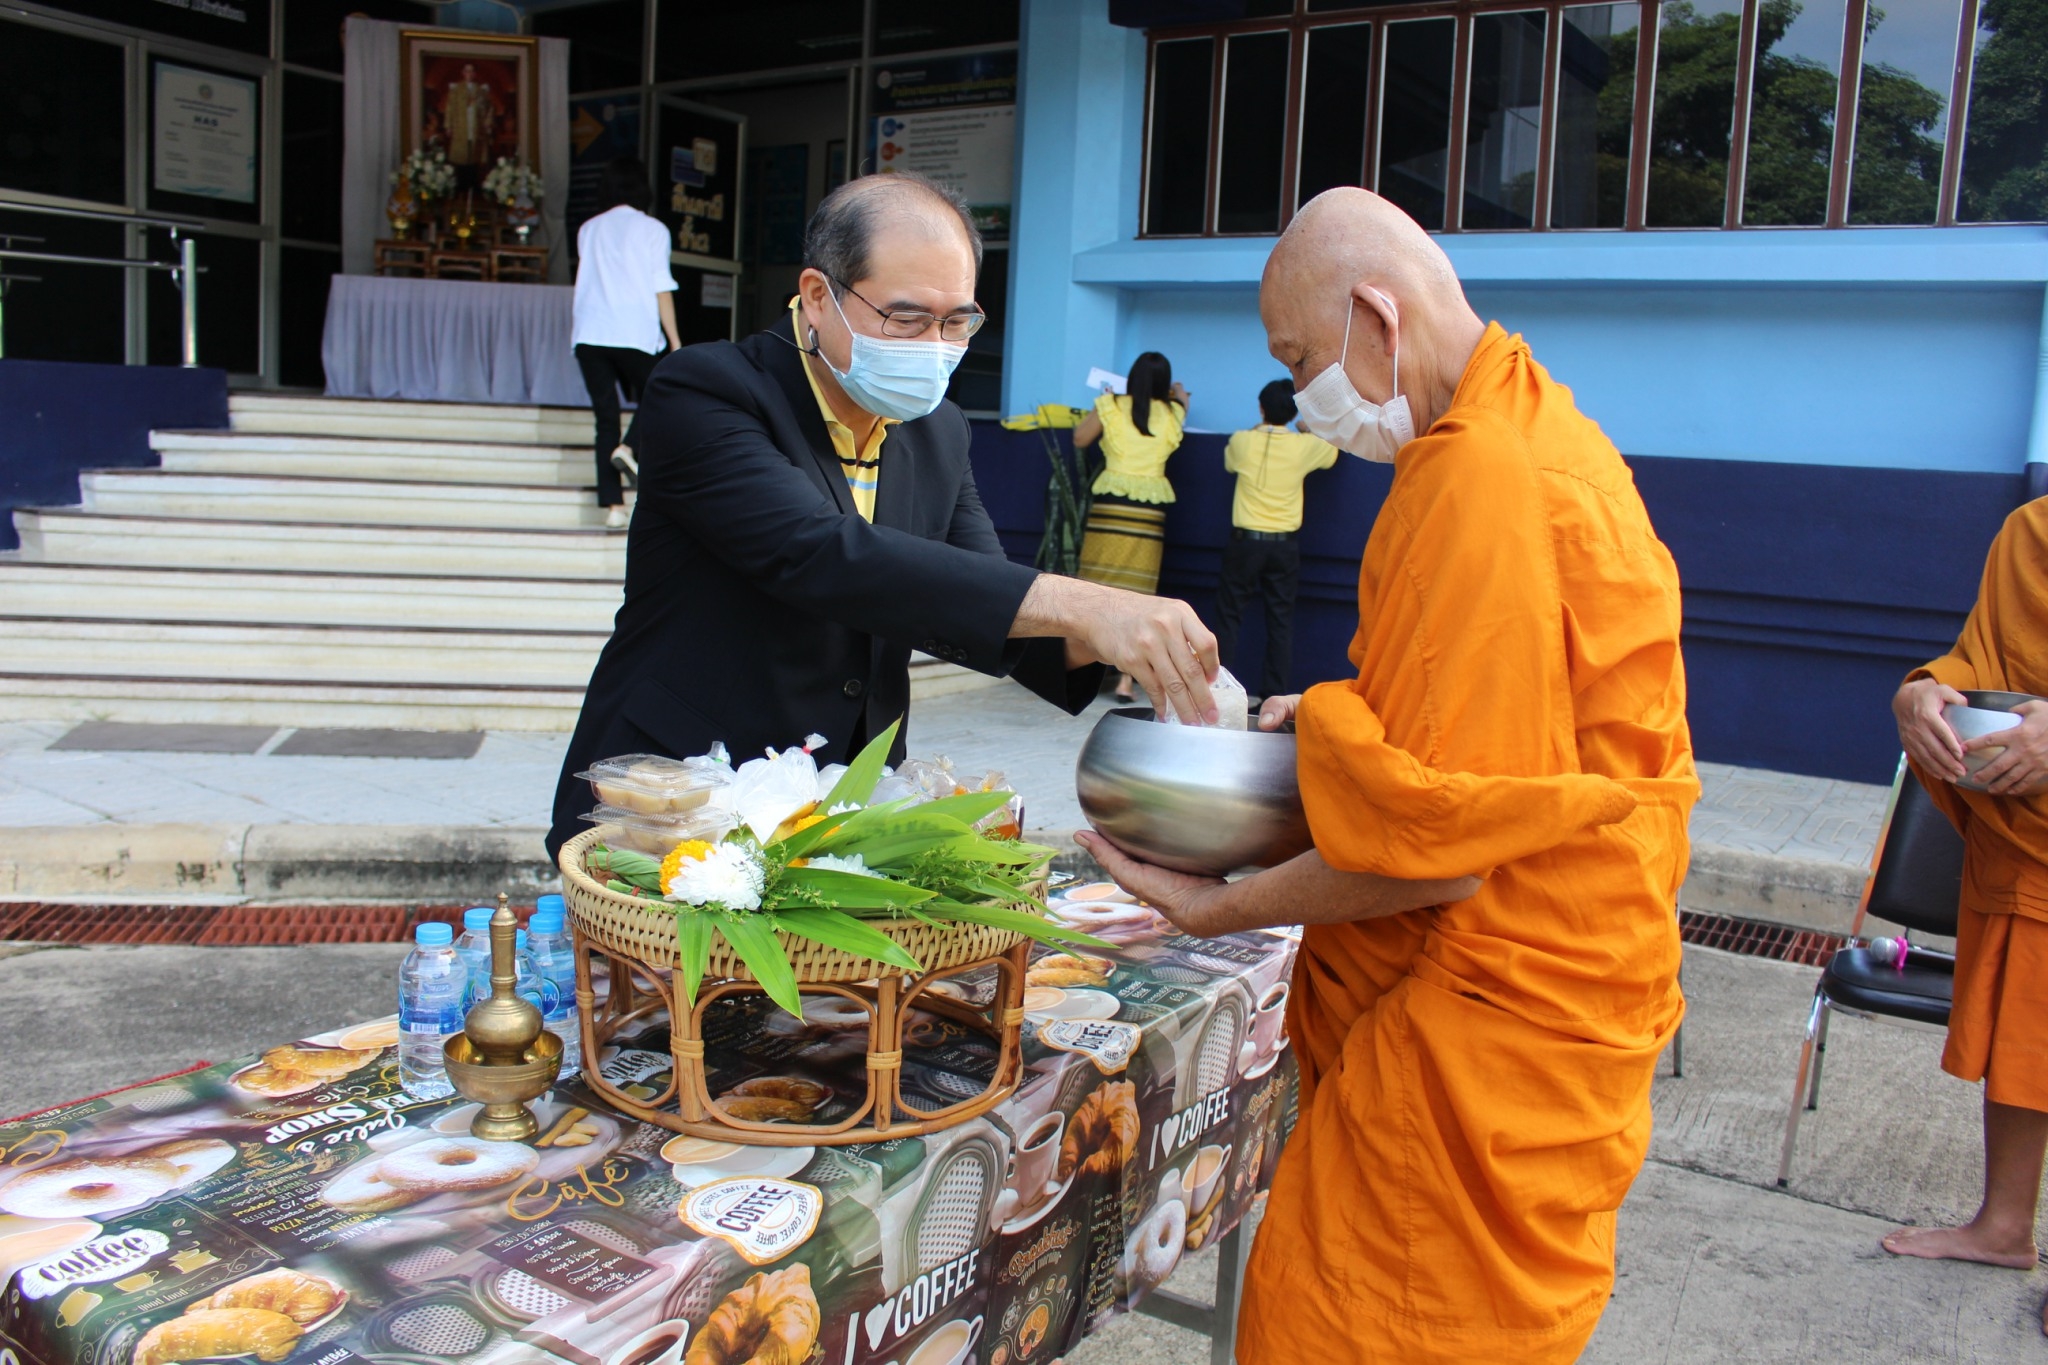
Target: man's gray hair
841 233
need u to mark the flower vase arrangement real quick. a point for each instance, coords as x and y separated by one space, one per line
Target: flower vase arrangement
420 179
821 869
399 208
516 186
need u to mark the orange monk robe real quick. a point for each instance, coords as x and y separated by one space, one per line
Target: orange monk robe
1998 1030
1476 1078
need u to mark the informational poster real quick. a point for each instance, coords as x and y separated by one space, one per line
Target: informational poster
700 163
953 120
205 134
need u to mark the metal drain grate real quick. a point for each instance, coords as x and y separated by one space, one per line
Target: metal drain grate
218 925
1754 938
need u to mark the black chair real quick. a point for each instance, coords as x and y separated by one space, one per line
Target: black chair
1916 879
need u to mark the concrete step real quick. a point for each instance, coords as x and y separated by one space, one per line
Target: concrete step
29 588
401 706
70 535
380 458
284 414
245 652
257 497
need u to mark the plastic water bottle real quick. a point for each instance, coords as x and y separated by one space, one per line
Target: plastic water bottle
548 936
432 987
474 948
528 981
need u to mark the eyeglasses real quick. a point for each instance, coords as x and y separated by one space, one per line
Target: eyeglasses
915 322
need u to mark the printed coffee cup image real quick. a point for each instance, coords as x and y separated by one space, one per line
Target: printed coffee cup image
1036 1153
661 1344
1199 1180
949 1345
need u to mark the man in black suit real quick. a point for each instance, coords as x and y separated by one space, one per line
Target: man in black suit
807 516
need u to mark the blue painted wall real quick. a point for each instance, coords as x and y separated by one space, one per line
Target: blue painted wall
61 418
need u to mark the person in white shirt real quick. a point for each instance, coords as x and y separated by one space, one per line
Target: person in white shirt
625 316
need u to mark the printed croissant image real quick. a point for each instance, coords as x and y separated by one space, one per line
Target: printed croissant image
216 1332
303 1298
772 1319
1103 1134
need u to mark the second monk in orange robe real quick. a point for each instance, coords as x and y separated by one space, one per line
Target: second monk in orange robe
1998 1030
1499 804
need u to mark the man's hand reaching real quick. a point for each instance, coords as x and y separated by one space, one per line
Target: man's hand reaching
1160 642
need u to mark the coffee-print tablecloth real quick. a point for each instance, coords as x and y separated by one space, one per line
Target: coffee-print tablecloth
298 1206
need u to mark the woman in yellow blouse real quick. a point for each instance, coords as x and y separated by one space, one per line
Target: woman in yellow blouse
1139 429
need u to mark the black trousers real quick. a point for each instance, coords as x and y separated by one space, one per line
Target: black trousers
606 370
1260 568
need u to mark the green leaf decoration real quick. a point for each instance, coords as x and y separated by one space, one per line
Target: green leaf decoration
627 866
625 888
851 891
763 953
969 808
836 929
1031 926
693 949
857 783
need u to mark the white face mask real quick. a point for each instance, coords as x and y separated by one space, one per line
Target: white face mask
1332 408
894 376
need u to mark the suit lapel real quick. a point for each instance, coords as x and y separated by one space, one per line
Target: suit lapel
780 358
896 480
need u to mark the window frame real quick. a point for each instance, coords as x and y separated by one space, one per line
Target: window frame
1301 24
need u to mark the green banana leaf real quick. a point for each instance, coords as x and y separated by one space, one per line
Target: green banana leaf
836 929
1031 926
626 865
763 953
857 783
693 949
851 891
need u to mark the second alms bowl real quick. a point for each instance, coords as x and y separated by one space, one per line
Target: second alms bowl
1192 799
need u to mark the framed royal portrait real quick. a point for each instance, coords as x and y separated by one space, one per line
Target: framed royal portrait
474 96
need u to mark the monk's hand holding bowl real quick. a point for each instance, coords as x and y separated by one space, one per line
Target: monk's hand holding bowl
1303 890
2022 770
1275 712
1923 733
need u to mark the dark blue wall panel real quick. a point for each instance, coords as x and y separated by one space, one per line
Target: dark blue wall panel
1809 589
57 418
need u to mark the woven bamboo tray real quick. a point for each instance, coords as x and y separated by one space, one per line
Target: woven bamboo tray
637 939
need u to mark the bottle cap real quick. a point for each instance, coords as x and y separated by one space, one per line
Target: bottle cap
546 920
477 919
554 903
433 935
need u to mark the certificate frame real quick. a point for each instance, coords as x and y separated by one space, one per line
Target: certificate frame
171 149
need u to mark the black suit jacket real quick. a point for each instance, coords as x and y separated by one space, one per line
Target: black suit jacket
761 607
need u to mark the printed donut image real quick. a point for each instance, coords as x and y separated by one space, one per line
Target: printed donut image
362 1188
83 1188
195 1158
1155 1244
440 1165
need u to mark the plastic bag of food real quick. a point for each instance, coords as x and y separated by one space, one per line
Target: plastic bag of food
767 793
1233 704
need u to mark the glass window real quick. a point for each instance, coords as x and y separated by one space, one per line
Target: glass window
303 277
312 28
311 169
1596 96
1792 114
1415 117
977 384
1335 79
2005 151
1503 120
63 114
1254 133
63 312
921 25
605 41
1178 165
1694 115
1902 111
230 286
694 39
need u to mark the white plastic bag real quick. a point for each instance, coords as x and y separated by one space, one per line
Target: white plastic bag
1233 704
767 791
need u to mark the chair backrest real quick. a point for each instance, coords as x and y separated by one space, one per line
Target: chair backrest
1918 881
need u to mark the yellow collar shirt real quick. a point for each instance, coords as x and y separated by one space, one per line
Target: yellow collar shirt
1270 464
862 462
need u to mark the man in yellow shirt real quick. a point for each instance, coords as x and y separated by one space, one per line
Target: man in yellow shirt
1263 558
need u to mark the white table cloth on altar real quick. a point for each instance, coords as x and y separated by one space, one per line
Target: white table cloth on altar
455 341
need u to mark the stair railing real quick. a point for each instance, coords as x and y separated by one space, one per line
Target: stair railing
185 271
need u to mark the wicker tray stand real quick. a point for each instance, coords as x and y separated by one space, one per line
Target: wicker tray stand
638 943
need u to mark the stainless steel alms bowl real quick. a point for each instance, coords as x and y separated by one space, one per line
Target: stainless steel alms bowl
1192 799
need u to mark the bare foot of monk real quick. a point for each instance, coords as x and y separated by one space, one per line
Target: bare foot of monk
1966 1243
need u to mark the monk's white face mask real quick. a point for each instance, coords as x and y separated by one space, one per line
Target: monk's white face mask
1332 408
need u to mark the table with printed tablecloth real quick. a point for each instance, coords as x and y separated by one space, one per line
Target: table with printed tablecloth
299 1206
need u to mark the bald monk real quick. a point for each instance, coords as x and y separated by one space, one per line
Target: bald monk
1998 1030
1499 804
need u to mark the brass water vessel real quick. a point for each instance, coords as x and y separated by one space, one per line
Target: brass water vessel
503 1058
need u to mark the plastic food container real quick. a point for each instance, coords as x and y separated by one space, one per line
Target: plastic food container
652 785
655 835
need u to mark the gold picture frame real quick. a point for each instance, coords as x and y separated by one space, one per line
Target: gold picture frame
460 91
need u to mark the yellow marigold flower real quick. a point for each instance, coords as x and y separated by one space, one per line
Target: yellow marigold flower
690 850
